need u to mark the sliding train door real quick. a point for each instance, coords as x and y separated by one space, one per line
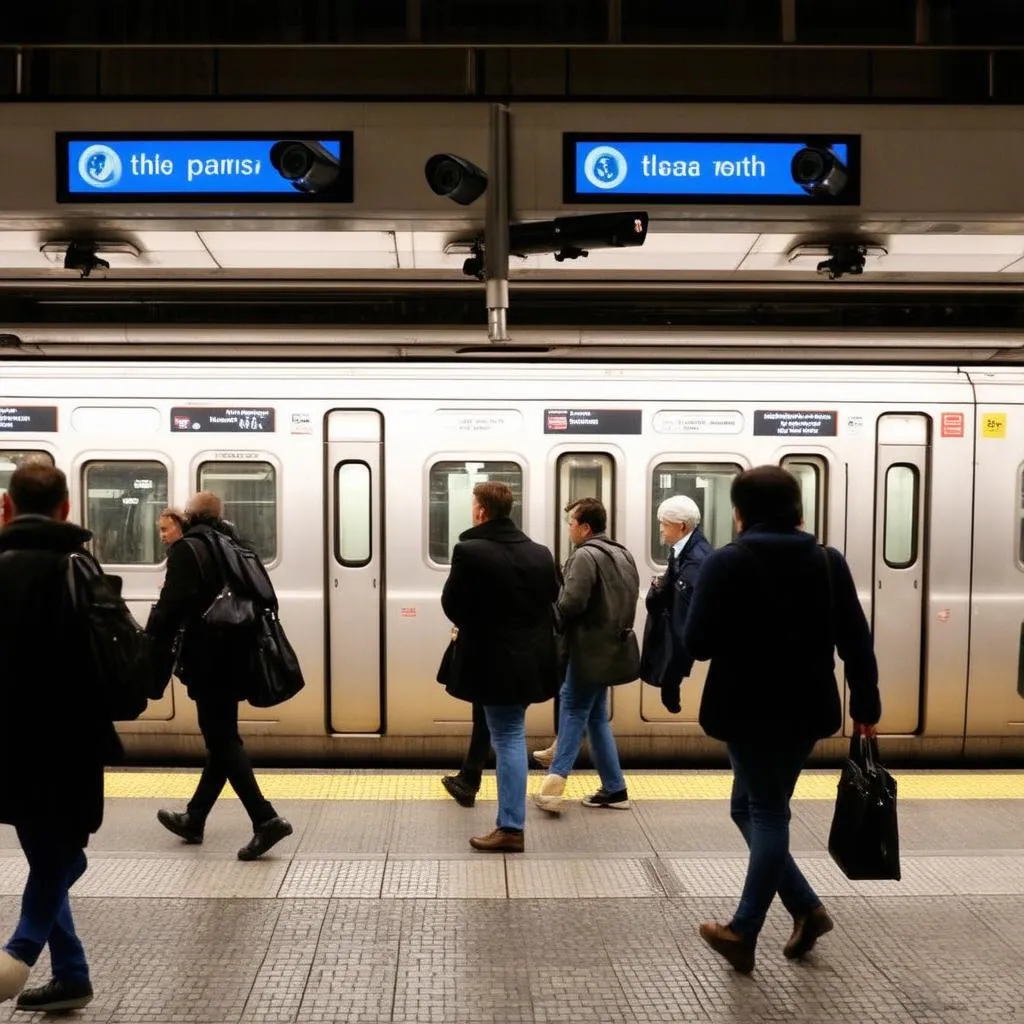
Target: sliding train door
902 458
354 441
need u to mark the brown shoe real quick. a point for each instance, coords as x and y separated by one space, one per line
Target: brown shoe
499 841
807 929
735 948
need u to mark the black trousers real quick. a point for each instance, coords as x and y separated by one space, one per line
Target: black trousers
226 761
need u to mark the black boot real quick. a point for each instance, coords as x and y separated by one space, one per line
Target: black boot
264 837
56 995
460 789
182 825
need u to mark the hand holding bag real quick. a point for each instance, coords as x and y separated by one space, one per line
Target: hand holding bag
864 838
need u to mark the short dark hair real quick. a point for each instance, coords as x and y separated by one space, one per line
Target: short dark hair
37 488
768 496
589 512
495 498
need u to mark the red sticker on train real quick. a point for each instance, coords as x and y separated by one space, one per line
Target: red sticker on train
952 424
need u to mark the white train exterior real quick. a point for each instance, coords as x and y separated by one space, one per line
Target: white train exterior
355 477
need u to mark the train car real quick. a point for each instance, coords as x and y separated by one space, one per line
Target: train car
354 480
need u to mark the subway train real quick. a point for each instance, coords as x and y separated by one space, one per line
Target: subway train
354 480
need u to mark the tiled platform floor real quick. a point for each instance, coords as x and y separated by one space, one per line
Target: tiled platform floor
381 912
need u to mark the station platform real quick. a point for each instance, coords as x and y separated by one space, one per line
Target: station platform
377 909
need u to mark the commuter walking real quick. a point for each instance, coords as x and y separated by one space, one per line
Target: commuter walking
500 594
212 674
54 739
465 784
595 611
665 661
769 611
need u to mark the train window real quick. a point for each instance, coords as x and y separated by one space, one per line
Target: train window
811 472
582 475
708 484
11 460
353 501
900 529
451 494
249 493
123 501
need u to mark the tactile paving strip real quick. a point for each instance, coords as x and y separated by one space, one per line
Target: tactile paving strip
530 878
445 879
338 879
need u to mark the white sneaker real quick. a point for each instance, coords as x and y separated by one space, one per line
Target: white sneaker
13 975
550 798
545 757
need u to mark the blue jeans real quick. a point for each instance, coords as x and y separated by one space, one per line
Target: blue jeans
764 776
508 738
585 709
55 863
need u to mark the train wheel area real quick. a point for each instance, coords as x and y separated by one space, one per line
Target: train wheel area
376 908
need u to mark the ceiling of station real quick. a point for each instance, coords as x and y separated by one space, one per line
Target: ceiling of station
433 255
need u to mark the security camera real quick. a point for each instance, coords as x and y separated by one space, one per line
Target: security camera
819 172
458 179
843 258
307 165
81 256
569 238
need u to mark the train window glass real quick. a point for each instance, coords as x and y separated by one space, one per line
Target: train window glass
352 514
123 501
451 495
900 529
582 475
811 472
249 493
708 484
11 460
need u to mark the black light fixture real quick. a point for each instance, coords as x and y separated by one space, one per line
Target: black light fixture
307 165
818 171
455 177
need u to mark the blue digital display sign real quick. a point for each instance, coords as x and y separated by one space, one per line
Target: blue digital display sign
204 167
708 169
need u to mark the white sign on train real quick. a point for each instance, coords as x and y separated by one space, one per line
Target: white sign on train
706 421
480 421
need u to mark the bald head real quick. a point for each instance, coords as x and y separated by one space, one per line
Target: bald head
204 505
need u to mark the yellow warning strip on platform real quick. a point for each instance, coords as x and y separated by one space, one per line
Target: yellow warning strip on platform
696 785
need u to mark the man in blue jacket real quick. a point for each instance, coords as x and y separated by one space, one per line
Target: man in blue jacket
769 611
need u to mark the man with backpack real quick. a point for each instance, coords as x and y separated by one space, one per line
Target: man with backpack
56 733
215 665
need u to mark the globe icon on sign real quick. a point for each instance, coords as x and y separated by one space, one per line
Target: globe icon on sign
605 167
99 166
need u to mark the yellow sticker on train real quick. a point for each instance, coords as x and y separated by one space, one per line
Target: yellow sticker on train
993 424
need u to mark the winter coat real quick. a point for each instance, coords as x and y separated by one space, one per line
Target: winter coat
193 580
500 594
665 660
769 612
595 611
54 739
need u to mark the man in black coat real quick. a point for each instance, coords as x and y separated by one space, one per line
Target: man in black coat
54 739
500 594
665 662
210 671
769 611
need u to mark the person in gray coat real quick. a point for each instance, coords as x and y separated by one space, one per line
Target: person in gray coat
595 611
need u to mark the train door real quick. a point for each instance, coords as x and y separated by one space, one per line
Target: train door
355 569
901 484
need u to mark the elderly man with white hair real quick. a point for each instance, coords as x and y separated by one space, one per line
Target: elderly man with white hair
665 662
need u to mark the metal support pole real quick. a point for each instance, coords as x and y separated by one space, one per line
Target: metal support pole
496 226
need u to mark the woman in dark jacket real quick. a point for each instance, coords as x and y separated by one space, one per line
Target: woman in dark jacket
769 611
500 594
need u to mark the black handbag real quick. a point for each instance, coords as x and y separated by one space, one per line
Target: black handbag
864 839
274 671
444 670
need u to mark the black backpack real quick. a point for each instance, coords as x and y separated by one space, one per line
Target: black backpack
120 658
243 618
